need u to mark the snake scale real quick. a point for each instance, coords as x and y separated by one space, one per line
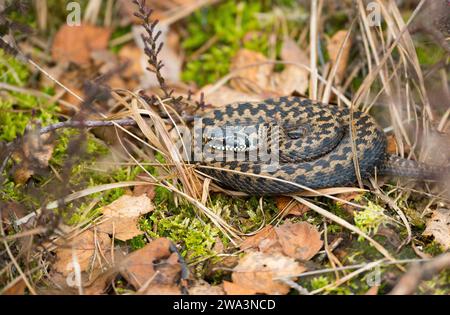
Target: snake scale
315 147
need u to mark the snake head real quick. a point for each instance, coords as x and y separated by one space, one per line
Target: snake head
235 138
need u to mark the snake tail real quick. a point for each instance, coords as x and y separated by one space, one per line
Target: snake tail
397 166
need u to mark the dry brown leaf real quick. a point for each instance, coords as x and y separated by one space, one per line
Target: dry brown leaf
266 234
201 287
235 289
76 43
33 155
131 54
122 216
153 265
299 240
84 247
251 79
439 227
333 46
391 145
161 289
257 272
291 206
17 288
108 65
11 211
100 284
391 236
372 291
350 196
293 78
291 52
225 95
148 190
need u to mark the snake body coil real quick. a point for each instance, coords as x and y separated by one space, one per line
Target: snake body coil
315 147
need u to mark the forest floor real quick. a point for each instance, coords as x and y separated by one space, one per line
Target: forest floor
114 209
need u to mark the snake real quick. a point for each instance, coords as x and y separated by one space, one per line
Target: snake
282 145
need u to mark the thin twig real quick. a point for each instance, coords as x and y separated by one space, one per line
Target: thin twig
411 280
87 124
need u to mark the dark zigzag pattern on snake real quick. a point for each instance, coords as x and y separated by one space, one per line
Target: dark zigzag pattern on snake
325 157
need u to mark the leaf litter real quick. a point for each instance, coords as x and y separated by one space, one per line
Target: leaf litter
273 253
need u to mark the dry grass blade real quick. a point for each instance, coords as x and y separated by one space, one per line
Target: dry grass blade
393 205
327 92
345 224
350 276
79 194
313 37
14 261
312 192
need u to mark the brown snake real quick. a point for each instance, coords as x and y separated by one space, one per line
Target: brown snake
313 147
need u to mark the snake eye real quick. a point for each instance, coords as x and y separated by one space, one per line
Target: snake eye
297 133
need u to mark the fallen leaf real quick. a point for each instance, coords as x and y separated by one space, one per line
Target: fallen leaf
333 46
153 265
98 285
76 43
121 216
391 145
253 71
235 289
439 227
84 247
11 211
148 190
257 271
350 196
108 65
291 52
299 240
163 290
18 288
290 206
131 54
33 155
201 287
253 242
293 78
218 97
372 291
391 235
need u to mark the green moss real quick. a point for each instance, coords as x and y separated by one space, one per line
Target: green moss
370 219
433 248
228 23
336 22
196 236
322 281
137 242
438 285
429 54
319 282
18 109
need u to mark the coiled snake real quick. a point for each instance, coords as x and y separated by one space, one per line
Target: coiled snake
314 147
